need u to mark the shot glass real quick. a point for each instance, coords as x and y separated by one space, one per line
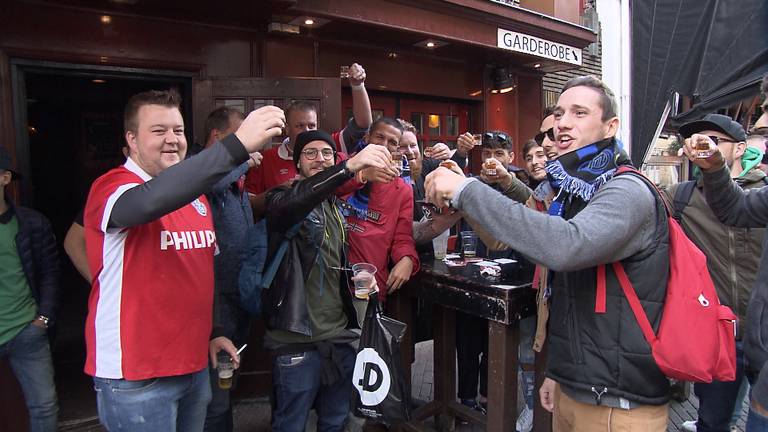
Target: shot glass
701 146
364 276
478 138
428 151
344 72
397 161
469 244
226 368
490 167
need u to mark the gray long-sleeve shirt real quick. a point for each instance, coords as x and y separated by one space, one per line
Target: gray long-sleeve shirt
618 222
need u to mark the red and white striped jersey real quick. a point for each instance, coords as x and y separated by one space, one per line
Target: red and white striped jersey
151 303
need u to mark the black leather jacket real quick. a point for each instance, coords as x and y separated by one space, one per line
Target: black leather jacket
284 303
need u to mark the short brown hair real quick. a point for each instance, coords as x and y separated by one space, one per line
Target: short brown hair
299 105
219 119
528 146
167 98
607 99
407 126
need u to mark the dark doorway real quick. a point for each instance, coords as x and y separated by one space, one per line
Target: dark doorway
71 123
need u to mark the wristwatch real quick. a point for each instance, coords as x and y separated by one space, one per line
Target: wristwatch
44 319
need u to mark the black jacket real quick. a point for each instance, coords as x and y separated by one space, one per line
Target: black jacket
36 246
284 304
607 352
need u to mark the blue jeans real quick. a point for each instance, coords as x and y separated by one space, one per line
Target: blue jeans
717 399
30 358
297 389
756 422
155 404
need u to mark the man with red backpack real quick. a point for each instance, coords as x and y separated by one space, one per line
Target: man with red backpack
601 374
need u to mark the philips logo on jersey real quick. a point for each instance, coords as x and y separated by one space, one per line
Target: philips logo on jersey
181 240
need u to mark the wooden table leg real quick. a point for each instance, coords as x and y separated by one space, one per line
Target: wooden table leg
542 419
502 376
399 307
445 364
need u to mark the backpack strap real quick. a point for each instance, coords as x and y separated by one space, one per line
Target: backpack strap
634 303
271 271
600 297
682 198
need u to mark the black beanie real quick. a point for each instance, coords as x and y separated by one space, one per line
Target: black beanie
307 137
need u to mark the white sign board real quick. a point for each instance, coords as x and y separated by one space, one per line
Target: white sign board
538 47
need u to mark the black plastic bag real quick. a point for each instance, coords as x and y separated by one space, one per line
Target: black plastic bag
382 392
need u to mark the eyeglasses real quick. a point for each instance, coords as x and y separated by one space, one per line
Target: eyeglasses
499 137
759 131
311 153
549 133
718 140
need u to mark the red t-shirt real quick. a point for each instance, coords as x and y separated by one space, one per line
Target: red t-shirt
276 168
151 303
386 234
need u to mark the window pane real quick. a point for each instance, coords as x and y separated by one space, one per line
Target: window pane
452 124
377 114
258 103
418 122
238 104
434 124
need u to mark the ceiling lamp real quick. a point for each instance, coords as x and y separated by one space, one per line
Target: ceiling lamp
502 80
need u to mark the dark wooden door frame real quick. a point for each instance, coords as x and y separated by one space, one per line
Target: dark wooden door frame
20 67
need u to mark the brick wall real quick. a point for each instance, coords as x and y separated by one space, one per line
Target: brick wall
591 65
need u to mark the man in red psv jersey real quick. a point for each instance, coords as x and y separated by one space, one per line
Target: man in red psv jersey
150 243
278 168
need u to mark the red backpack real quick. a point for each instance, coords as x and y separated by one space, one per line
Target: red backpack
697 335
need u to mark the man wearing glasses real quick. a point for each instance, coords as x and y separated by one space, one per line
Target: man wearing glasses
733 254
308 308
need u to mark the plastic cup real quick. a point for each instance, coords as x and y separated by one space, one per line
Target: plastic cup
226 368
469 244
364 273
440 244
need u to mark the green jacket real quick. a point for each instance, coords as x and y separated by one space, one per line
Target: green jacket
733 254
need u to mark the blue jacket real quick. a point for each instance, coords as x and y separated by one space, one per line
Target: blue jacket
232 217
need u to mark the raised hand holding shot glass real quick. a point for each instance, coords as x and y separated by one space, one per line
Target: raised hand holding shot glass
365 282
712 162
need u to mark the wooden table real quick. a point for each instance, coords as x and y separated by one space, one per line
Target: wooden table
463 289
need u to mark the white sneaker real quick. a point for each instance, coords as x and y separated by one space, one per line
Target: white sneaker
688 426
525 420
